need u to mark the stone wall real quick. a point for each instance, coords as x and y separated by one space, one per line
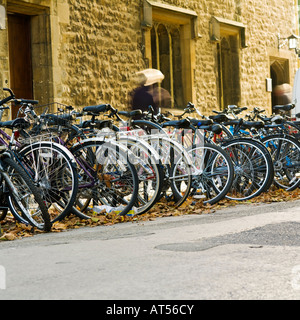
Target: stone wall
101 48
97 45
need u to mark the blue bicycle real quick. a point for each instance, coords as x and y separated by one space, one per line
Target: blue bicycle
273 133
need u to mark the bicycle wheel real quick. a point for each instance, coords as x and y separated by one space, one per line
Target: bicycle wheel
107 178
253 168
177 166
53 170
146 161
149 170
213 172
285 152
24 198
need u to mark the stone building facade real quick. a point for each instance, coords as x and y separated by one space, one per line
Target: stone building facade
83 52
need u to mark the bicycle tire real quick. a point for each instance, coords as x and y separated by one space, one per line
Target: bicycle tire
147 163
285 152
107 177
53 169
149 170
26 195
253 168
177 166
213 174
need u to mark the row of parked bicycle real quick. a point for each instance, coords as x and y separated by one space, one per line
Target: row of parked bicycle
58 161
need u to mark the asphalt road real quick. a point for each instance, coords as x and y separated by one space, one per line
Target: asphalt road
238 253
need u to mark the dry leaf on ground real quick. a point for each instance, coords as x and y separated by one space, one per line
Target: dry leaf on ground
12 230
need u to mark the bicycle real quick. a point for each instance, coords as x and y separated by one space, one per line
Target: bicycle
212 177
273 133
152 175
175 161
253 168
106 175
19 195
50 165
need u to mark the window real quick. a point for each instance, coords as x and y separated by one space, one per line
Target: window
230 37
228 69
168 35
166 56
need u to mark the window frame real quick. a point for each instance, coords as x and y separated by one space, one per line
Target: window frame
155 13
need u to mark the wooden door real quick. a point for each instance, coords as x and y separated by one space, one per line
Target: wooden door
20 57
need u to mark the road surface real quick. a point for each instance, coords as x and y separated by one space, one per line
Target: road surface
242 252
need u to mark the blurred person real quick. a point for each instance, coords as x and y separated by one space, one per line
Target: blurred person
143 96
162 97
283 94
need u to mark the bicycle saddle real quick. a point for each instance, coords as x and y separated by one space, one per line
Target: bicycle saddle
19 123
253 124
184 123
234 122
286 107
98 124
219 118
201 122
130 114
96 109
215 128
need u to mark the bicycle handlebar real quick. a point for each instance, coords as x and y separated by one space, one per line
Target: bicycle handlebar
25 101
16 101
11 97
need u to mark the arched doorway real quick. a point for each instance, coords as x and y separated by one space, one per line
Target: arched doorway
279 71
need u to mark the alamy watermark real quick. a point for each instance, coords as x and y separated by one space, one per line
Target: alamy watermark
2 278
132 146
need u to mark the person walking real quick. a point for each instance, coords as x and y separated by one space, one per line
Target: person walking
143 96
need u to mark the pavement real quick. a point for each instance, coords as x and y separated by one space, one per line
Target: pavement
245 252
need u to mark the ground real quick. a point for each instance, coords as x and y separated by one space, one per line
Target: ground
11 230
